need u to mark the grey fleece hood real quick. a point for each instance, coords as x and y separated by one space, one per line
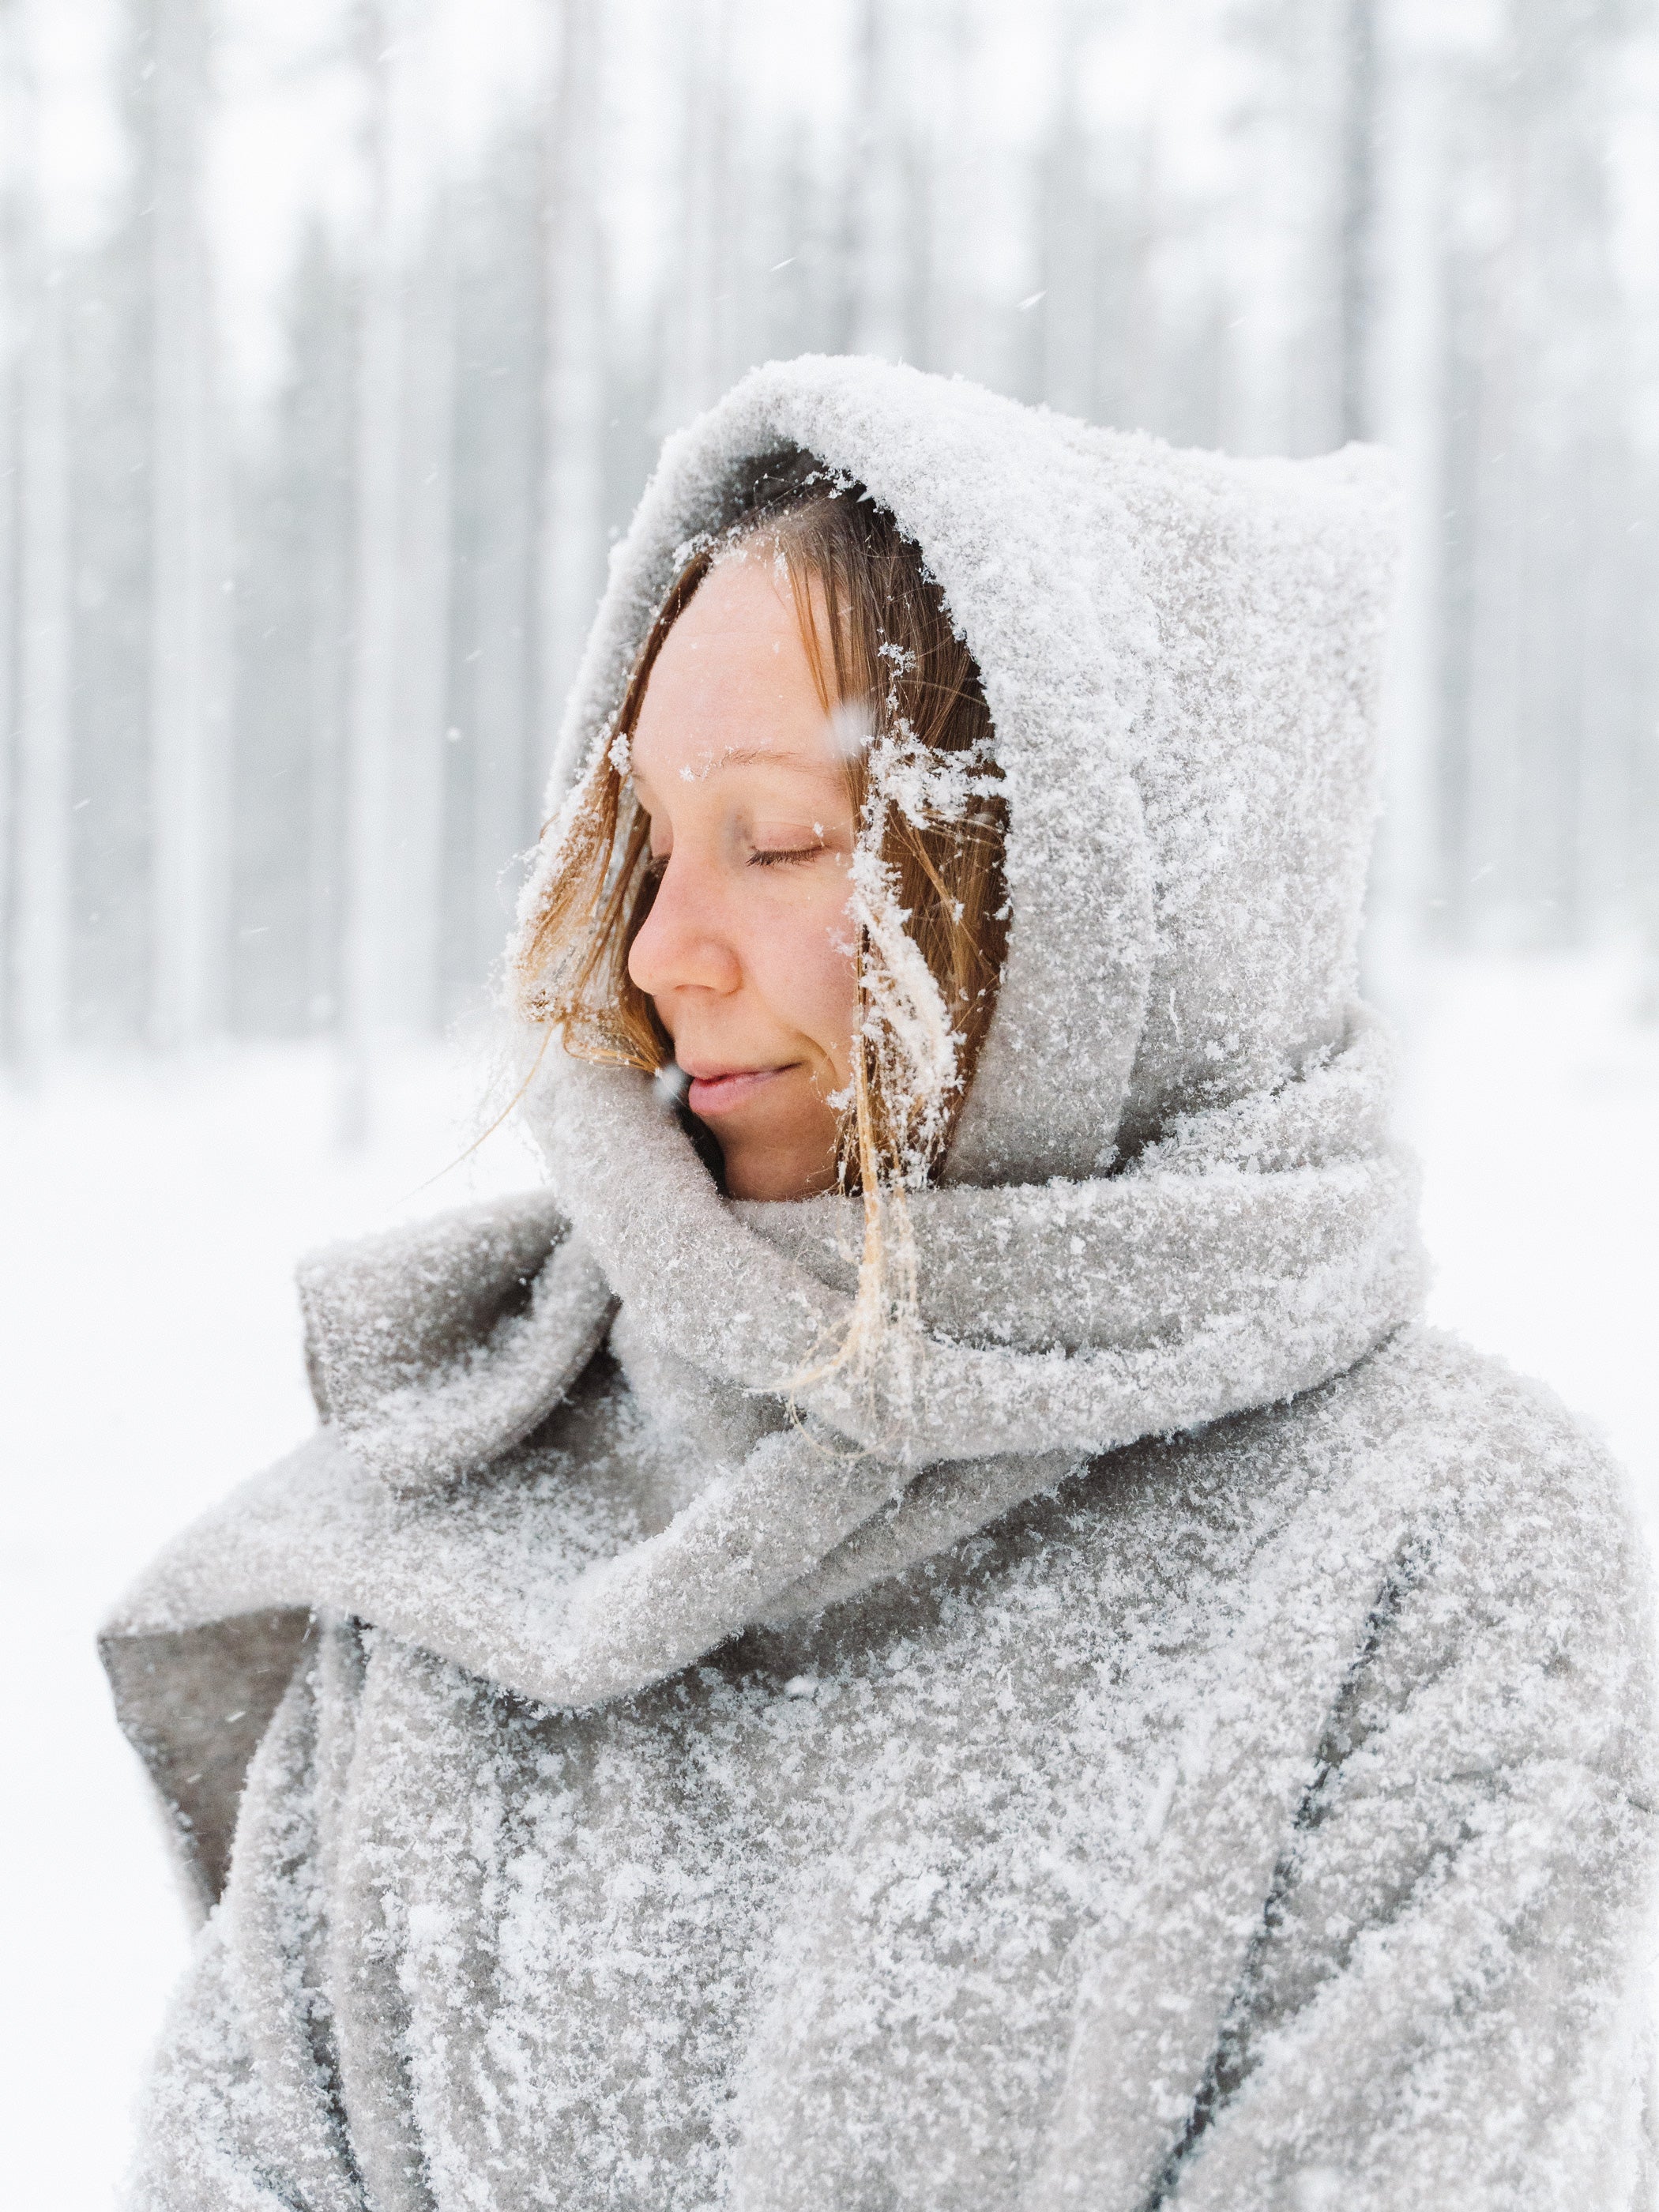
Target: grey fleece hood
1171 1195
1181 652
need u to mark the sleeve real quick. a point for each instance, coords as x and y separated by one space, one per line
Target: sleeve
243 2111
1446 2003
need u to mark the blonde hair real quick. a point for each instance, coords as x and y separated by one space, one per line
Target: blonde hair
929 897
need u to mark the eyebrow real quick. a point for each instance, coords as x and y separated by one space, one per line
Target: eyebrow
761 756
756 756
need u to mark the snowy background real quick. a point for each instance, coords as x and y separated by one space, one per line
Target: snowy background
335 337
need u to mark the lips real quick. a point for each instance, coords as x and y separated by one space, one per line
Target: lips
721 1090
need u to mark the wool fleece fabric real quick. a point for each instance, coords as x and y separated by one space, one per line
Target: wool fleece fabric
1176 1732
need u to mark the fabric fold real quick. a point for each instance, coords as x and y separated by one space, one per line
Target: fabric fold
433 1350
1257 1249
1267 1246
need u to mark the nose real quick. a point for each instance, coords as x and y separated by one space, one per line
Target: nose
682 944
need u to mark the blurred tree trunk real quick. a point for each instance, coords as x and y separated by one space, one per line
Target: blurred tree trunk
1356 251
1406 345
571 531
881 216
189 824
492 764
43 765
12 309
1066 260
365 948
1541 430
292 616
424 526
694 351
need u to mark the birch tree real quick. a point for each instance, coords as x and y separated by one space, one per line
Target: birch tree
1546 442
11 323
693 349
492 776
42 938
1409 394
189 825
293 610
882 229
1356 255
423 617
1066 325
365 949
572 519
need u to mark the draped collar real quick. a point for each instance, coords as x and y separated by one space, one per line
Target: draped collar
1254 1251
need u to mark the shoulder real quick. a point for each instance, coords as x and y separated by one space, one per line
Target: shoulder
1490 1464
1451 1439
1518 1600
1428 1479
1425 1432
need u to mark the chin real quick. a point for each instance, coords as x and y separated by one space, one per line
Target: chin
778 1172
776 1157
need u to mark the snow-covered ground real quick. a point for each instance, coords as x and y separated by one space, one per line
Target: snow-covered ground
152 1217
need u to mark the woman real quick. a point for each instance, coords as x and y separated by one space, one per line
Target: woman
928 1629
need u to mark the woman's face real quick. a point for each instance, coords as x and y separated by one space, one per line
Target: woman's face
747 952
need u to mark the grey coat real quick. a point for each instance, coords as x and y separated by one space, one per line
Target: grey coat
1177 1734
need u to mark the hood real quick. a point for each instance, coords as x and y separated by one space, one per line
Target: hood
1182 655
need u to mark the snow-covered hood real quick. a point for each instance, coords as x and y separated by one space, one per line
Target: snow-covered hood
1181 652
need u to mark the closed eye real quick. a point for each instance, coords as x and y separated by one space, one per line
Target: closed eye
797 853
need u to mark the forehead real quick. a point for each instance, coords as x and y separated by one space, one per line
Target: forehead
732 685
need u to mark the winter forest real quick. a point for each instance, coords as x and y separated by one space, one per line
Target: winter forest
336 341
338 338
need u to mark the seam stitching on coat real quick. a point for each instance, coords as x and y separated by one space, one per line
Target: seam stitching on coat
1214 2090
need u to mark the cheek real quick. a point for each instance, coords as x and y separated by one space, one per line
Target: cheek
803 965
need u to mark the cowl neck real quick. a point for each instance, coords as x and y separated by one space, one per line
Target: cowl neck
1253 1252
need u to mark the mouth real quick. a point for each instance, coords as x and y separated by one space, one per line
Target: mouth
722 1089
